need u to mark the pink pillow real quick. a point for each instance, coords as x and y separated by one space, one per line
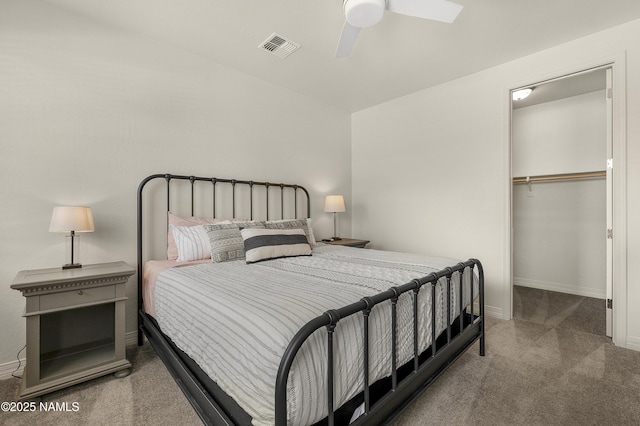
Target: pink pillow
172 249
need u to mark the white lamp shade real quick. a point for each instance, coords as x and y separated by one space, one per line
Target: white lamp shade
334 204
67 219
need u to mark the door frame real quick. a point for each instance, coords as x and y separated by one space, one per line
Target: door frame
617 63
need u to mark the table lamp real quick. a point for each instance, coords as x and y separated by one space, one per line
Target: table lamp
71 220
334 204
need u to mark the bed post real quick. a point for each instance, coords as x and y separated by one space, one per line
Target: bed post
139 259
139 253
481 296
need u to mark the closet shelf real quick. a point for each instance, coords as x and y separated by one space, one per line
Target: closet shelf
560 177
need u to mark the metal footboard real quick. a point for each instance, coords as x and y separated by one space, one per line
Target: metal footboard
425 367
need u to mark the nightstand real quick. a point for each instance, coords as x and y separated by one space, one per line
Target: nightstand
348 242
75 325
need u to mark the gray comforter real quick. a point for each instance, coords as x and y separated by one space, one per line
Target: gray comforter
236 320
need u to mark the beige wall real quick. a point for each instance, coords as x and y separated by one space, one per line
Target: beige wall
431 170
87 111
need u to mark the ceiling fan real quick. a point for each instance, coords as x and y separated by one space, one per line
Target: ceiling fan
366 13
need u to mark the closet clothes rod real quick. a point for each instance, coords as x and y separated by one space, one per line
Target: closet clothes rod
560 177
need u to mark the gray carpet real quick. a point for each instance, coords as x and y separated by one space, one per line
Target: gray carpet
148 396
560 310
551 365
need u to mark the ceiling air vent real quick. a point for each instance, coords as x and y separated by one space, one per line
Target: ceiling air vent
279 46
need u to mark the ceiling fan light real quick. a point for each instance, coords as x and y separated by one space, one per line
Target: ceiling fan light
519 95
364 13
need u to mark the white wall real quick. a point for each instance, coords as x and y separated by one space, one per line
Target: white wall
559 241
431 171
562 136
425 176
87 111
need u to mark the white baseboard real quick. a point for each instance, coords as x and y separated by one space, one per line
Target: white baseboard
489 311
131 338
633 343
9 368
562 288
494 311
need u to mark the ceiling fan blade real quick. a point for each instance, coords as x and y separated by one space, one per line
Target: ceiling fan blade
347 40
436 10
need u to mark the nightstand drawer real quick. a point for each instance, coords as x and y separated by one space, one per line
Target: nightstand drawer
80 297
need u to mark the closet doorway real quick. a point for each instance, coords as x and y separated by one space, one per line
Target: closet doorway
561 149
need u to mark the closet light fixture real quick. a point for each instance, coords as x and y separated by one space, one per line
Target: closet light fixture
519 95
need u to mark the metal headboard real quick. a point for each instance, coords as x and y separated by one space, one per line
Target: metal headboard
275 189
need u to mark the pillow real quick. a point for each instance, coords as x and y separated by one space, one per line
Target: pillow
192 243
304 224
172 250
225 239
264 244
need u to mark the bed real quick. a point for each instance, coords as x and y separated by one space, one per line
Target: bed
318 335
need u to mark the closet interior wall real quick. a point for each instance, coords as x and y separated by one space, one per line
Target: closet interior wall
559 225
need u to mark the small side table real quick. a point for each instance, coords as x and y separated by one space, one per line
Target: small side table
348 242
75 325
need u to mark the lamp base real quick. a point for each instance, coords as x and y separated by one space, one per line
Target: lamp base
72 266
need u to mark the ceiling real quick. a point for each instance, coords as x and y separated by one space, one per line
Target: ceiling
398 56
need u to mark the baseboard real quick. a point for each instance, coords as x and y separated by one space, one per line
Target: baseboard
633 343
489 311
561 288
14 367
494 311
131 338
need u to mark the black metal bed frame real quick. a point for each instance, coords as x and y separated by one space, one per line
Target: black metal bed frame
406 382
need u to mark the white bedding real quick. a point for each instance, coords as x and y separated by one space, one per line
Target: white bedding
236 320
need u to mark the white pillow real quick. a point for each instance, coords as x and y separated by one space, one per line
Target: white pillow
192 243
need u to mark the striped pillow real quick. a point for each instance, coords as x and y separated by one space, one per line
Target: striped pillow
264 244
175 220
304 224
192 243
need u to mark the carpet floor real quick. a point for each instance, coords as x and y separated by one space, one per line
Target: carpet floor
551 365
148 396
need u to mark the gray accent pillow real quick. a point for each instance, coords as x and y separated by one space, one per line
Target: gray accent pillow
226 240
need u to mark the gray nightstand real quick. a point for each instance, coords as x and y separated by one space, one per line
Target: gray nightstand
75 325
348 242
